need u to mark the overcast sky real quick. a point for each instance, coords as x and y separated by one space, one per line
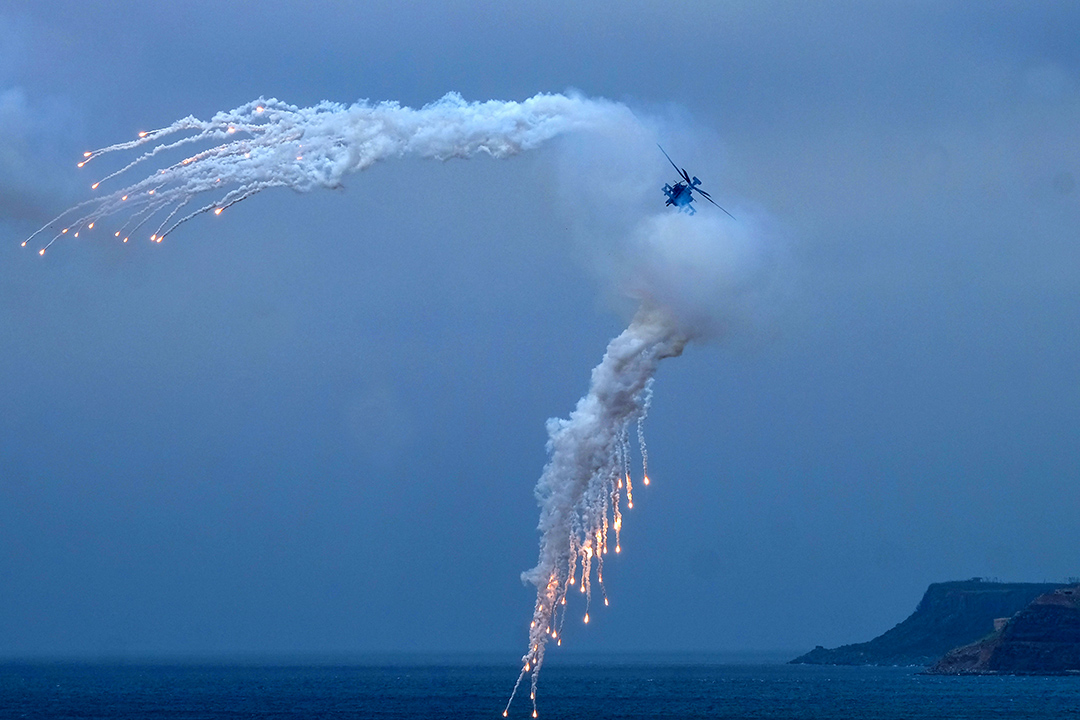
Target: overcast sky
313 425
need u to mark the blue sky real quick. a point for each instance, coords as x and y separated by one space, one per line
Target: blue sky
313 424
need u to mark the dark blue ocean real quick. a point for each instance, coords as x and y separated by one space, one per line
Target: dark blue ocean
412 689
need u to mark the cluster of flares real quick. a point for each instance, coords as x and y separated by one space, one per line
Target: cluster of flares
586 478
267 143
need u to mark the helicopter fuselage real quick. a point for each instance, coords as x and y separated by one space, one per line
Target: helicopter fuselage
681 196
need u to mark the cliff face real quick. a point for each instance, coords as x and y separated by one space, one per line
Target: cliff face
949 615
1043 638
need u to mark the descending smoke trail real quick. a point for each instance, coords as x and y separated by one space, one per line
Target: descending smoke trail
267 143
582 485
696 278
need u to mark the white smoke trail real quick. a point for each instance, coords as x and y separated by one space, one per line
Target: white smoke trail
268 143
699 277
581 487
686 273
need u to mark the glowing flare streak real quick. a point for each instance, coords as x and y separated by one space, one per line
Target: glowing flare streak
257 147
579 490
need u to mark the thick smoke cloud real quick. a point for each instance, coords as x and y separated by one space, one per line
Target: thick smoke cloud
711 274
686 275
588 478
267 143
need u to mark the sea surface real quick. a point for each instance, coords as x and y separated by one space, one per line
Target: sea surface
416 689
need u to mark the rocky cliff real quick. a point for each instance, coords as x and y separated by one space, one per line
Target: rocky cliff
1042 639
949 615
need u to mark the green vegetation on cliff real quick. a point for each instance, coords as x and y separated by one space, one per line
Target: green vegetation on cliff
949 615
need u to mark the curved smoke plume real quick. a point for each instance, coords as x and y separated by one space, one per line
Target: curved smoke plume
680 271
267 143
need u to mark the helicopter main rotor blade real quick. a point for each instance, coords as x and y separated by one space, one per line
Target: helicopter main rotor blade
717 205
669 159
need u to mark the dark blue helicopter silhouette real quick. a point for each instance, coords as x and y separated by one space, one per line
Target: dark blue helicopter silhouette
681 194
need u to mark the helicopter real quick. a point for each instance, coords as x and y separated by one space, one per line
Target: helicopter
681 194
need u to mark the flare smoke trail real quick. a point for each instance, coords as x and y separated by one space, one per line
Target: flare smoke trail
582 486
268 143
696 278
681 281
